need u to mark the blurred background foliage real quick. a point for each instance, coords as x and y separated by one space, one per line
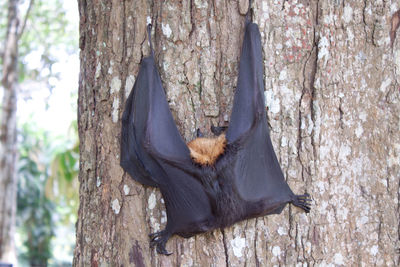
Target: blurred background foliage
48 31
47 196
34 209
48 156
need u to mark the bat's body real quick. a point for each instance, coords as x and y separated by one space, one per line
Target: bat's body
209 183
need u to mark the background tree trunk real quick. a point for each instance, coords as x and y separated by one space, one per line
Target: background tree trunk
8 137
332 94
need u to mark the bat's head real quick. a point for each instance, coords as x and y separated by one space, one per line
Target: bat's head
205 151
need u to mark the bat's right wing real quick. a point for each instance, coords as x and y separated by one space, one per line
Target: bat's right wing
150 141
149 136
133 158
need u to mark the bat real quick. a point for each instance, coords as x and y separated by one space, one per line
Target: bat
208 183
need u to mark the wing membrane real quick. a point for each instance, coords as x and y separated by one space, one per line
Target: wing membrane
257 174
147 125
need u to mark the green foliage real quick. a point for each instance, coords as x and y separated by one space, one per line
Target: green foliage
45 33
48 165
35 211
48 32
47 190
3 21
62 187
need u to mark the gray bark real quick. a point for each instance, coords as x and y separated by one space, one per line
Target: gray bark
8 133
332 96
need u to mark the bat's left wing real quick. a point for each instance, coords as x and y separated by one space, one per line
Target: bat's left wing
257 175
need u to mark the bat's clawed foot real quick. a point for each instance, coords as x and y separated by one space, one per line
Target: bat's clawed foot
160 239
303 201
155 235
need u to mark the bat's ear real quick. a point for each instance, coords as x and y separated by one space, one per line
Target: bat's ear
199 133
218 130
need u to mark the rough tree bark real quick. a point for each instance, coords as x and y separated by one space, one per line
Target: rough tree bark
332 97
8 134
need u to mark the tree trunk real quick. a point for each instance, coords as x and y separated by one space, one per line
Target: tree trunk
332 97
8 138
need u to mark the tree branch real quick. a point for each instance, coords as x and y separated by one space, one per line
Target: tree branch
22 29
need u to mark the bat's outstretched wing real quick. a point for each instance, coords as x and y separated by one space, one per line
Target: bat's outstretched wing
149 139
257 174
148 126
134 160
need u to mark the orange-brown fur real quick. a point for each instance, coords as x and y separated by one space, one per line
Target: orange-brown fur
205 151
